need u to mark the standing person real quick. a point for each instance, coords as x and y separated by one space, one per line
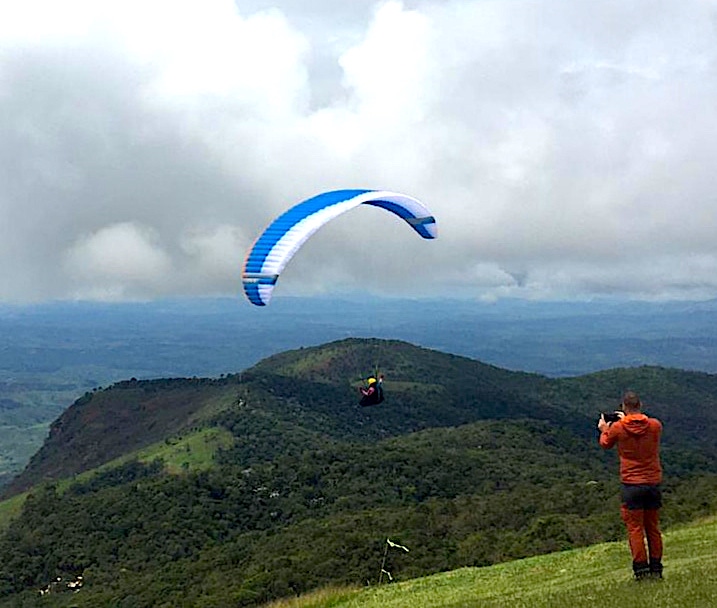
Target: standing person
638 445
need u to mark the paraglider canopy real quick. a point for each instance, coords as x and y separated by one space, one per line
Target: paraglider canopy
274 248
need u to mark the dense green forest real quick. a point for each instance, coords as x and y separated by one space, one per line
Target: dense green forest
465 464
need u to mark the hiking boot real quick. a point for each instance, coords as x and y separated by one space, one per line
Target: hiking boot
655 568
641 570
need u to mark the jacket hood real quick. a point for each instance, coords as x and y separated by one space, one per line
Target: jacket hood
636 424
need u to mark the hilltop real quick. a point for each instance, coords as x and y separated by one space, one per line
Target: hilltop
276 480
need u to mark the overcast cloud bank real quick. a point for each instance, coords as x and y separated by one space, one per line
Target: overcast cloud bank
567 148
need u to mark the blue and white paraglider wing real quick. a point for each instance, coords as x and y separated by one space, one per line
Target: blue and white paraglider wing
274 248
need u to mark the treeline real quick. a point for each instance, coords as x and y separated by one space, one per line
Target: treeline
241 534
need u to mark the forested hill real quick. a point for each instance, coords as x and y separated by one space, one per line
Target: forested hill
313 391
307 391
273 481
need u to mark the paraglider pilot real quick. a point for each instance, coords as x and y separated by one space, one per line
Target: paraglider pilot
373 393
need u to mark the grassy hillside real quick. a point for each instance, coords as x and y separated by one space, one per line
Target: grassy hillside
107 424
596 576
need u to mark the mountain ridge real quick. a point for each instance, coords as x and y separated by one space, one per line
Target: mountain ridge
131 414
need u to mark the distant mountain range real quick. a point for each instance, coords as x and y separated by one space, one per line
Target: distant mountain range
206 337
238 489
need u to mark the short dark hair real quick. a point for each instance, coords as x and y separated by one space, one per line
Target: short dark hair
631 400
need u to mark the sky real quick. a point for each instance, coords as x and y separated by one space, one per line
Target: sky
566 147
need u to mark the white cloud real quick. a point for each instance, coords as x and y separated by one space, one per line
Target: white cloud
214 257
565 147
117 260
387 71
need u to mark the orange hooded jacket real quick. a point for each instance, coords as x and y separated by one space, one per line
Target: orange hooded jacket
638 444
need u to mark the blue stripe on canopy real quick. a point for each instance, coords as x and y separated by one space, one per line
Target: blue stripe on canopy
252 292
405 214
285 222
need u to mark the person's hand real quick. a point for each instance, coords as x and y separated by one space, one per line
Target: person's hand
603 425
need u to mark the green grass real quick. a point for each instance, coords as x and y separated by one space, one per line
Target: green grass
595 576
192 452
